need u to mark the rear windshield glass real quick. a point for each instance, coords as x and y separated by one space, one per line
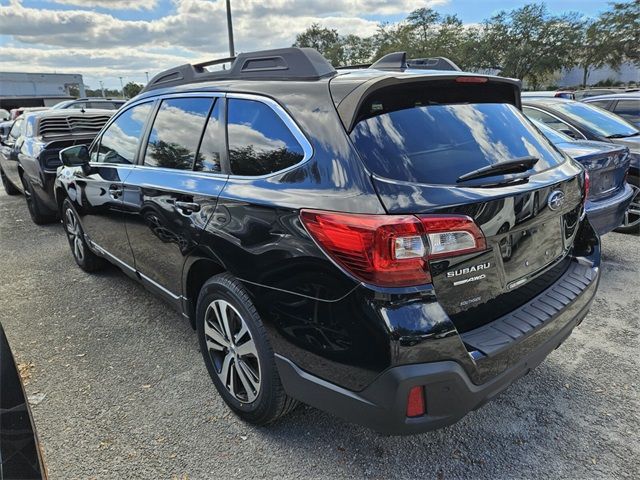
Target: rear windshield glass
596 119
436 144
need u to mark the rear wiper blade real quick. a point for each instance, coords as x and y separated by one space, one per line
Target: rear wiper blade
517 165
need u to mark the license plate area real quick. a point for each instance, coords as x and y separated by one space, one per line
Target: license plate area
605 183
527 251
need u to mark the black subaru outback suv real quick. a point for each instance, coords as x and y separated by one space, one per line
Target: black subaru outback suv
395 246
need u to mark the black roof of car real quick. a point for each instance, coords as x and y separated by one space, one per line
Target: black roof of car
264 72
547 100
302 64
98 99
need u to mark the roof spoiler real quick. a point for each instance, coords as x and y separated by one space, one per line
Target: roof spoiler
279 64
349 105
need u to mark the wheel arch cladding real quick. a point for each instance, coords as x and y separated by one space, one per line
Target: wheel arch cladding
196 276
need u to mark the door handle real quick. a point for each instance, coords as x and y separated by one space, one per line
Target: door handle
187 207
115 191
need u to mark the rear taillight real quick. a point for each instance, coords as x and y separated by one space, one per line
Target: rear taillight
587 184
391 250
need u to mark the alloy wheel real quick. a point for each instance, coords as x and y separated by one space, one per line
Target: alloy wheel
232 351
632 215
74 232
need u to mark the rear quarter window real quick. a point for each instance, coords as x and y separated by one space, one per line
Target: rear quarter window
260 142
436 144
629 110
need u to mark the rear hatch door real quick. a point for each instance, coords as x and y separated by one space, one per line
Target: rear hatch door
420 147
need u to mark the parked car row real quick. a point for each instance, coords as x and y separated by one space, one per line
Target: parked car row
585 122
580 94
29 155
394 247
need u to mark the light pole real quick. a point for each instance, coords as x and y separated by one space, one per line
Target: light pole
102 89
122 87
232 50
147 74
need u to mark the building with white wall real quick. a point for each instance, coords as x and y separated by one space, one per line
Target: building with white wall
18 89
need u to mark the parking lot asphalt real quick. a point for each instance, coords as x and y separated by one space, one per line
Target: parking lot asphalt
124 393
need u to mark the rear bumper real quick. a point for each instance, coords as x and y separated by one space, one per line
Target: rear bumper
608 214
450 393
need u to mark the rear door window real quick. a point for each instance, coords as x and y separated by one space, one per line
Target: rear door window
176 131
436 144
259 141
629 110
601 103
119 142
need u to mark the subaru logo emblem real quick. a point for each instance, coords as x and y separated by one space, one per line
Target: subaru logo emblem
556 200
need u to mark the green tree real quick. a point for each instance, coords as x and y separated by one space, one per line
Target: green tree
622 27
325 40
356 50
131 89
394 38
594 50
422 21
529 43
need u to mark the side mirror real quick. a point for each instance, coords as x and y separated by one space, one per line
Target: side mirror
76 156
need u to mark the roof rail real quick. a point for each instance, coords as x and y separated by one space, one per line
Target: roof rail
354 66
279 64
435 63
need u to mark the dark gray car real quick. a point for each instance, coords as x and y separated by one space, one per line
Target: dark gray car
582 121
626 105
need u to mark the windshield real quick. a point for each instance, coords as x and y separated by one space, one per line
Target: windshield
436 144
554 136
15 130
597 120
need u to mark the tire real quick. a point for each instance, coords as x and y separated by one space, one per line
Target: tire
631 223
9 188
259 397
82 254
36 210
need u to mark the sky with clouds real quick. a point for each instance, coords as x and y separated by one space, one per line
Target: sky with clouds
105 39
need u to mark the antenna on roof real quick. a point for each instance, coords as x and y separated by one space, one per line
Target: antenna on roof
392 61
